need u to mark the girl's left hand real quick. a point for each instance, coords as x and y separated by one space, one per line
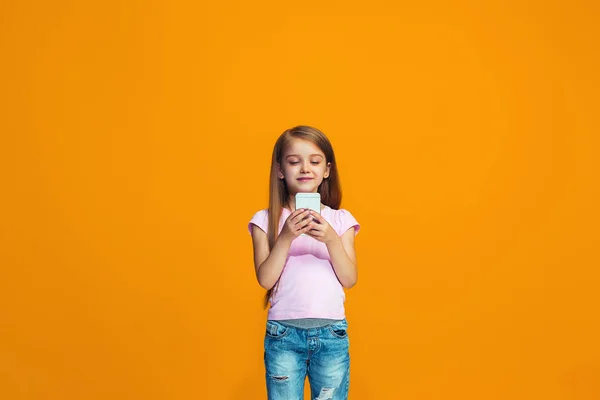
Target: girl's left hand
321 230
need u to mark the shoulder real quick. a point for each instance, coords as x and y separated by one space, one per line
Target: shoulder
261 213
260 219
342 220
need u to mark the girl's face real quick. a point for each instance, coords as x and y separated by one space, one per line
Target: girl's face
303 166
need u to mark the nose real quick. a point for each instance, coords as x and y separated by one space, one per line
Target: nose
305 167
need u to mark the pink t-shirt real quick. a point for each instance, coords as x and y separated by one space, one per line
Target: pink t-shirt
308 286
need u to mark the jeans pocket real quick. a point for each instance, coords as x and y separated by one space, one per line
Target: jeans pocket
339 329
276 330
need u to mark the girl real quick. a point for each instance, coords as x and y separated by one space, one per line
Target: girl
305 275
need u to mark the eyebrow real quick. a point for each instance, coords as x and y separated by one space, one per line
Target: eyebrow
298 155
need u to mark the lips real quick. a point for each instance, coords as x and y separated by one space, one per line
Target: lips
305 179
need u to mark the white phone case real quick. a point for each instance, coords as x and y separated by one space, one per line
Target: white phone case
309 200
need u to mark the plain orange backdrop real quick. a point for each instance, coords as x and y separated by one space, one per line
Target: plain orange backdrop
136 140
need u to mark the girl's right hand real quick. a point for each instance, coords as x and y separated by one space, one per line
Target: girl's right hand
296 224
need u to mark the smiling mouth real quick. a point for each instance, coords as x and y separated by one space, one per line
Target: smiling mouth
305 179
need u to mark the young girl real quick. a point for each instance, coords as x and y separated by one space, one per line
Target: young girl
305 275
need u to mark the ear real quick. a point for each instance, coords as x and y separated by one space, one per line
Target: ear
279 172
327 171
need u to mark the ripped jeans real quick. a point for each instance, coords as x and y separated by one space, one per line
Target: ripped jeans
293 353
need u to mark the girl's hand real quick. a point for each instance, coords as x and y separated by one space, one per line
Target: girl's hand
320 229
296 224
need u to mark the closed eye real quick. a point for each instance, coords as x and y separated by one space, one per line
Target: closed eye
312 162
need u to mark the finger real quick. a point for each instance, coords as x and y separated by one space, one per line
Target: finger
304 223
306 229
317 216
314 228
301 216
313 233
297 212
316 232
301 231
318 225
298 226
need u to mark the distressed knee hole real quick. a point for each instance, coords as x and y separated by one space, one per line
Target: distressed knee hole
326 393
280 378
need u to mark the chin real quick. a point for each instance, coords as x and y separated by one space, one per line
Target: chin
307 189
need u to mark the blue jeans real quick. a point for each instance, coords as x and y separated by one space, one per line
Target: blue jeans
293 353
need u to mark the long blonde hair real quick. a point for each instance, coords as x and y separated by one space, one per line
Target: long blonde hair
330 190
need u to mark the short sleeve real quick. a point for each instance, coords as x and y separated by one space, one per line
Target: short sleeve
260 219
344 221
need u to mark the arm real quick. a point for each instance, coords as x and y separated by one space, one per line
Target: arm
343 258
341 249
268 264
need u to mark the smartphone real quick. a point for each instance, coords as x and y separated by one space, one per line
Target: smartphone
309 200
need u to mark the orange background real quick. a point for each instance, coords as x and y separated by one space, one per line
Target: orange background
136 140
